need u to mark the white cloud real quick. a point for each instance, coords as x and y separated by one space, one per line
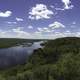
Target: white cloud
37 32
5 14
59 9
78 34
52 6
19 19
40 29
46 29
17 29
30 27
15 33
43 30
2 32
51 27
56 25
21 33
69 34
74 23
5 34
67 4
11 22
40 11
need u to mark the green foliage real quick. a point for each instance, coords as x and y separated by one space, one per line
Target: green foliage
10 42
58 60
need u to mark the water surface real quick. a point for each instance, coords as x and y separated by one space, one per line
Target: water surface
17 55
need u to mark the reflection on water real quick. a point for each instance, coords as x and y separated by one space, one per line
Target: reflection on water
16 55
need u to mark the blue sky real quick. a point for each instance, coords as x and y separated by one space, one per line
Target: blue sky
39 18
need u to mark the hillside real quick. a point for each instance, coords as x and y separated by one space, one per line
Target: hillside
58 60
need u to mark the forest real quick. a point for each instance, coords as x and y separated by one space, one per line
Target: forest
59 59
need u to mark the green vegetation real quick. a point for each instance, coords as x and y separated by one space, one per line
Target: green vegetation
58 60
10 42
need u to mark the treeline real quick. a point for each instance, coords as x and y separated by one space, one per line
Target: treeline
10 42
58 60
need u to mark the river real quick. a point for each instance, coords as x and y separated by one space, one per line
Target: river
16 55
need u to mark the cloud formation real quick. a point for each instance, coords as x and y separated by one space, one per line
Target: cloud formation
56 25
40 11
30 27
5 14
67 4
11 22
20 33
19 19
51 27
43 30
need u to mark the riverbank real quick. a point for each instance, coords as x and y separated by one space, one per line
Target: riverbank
11 42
